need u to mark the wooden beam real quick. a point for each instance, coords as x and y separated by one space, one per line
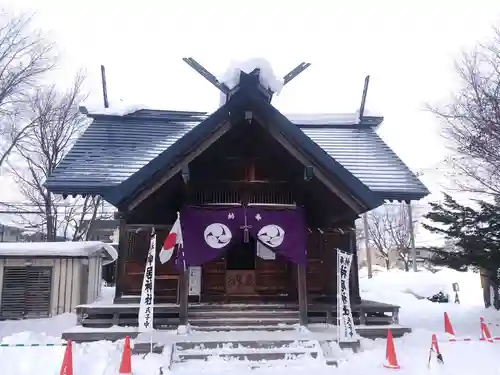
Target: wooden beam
354 276
355 206
120 262
178 167
302 293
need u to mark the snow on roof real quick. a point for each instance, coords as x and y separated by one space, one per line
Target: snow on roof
69 249
267 77
115 108
328 118
323 118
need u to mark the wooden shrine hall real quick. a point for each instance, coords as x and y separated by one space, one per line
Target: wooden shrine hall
246 161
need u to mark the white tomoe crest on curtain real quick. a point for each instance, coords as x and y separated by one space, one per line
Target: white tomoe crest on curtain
345 323
146 307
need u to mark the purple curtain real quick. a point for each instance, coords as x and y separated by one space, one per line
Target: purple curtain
209 231
281 230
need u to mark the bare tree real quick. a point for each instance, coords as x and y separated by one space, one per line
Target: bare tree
56 124
25 57
472 120
389 233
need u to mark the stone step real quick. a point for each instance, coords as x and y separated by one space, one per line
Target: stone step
246 344
245 321
261 355
260 350
145 347
249 327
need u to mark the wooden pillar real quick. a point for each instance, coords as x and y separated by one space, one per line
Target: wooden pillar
183 296
122 254
302 292
354 276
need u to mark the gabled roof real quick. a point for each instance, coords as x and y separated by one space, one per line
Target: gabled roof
370 159
248 98
119 153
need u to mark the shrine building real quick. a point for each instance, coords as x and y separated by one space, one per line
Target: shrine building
265 200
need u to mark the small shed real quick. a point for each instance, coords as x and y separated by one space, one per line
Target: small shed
42 279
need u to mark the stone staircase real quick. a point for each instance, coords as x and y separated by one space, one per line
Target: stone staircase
250 350
239 317
230 334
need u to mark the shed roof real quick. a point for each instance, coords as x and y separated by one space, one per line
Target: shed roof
115 147
59 249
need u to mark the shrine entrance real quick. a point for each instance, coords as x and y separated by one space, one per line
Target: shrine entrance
240 269
239 265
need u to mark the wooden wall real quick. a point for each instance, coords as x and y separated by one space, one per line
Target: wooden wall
134 261
274 279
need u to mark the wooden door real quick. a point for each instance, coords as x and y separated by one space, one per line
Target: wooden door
273 277
213 279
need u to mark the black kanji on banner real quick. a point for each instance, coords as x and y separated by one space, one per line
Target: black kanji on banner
346 331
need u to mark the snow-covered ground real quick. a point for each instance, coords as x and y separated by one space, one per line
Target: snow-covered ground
397 287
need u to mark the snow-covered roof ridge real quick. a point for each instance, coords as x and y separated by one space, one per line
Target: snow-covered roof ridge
268 79
58 249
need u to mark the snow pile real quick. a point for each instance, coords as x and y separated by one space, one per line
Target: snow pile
35 330
106 297
397 284
409 291
267 77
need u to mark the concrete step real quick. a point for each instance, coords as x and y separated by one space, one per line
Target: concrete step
246 344
145 347
248 327
261 355
268 350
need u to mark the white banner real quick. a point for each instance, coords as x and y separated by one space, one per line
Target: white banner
146 308
345 323
264 252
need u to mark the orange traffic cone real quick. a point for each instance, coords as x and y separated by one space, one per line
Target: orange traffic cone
390 353
126 363
485 331
67 365
435 348
448 328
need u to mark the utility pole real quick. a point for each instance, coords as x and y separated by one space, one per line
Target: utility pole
367 246
412 238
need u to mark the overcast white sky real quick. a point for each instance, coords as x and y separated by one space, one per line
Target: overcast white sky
408 47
